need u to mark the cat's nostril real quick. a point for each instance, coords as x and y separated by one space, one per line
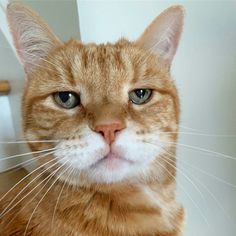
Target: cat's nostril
108 131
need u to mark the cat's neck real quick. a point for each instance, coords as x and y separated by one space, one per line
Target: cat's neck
116 209
116 206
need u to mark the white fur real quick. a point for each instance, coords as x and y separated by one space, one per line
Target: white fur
84 152
87 154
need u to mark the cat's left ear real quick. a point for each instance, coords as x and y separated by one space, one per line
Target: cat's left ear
33 39
163 34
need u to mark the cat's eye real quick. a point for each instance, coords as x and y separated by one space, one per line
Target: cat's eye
140 96
67 100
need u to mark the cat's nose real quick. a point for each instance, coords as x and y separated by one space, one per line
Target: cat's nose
108 131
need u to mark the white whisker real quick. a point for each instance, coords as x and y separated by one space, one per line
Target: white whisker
189 179
219 154
45 195
188 128
27 162
6 211
59 196
209 174
204 186
26 154
22 190
48 178
201 131
198 169
215 199
202 134
30 141
216 154
25 177
188 195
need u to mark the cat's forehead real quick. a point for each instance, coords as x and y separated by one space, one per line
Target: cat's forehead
104 71
108 64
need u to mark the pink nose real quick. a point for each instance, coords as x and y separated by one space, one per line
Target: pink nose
108 131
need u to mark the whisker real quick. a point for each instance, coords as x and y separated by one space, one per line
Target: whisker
28 174
189 179
203 131
208 174
218 154
26 154
30 141
48 178
188 195
68 185
4 212
188 128
59 196
214 198
25 163
202 134
200 170
204 186
44 196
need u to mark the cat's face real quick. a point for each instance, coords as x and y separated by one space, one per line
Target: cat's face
101 81
111 109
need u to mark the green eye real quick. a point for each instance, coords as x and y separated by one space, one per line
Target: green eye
140 96
67 100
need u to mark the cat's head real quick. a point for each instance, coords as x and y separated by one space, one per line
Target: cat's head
112 109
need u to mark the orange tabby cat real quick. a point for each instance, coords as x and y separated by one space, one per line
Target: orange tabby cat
105 118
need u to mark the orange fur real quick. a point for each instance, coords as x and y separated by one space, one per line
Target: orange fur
143 204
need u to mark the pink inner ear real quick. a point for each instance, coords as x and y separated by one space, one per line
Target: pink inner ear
31 35
164 47
162 36
21 51
18 48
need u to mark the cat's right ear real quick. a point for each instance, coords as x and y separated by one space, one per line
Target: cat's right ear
32 37
162 36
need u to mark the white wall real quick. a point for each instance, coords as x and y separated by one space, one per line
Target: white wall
205 70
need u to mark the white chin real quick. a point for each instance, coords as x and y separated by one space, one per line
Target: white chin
110 170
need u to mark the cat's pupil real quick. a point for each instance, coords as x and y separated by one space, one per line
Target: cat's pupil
140 96
67 100
64 96
140 92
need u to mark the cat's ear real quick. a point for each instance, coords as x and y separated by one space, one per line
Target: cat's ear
163 34
32 37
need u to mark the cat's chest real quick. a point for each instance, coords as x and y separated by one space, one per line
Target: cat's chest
99 214
88 213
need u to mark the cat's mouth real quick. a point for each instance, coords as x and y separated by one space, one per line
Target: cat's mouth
112 161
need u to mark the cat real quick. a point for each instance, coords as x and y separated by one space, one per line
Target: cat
102 121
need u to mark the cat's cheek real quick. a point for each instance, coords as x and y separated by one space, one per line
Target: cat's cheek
81 154
136 149
136 152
